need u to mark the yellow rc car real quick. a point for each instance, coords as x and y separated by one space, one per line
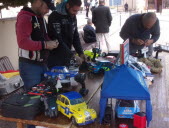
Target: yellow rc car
72 105
90 54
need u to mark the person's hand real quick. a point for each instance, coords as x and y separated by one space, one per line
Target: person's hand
138 41
83 57
50 45
148 42
78 59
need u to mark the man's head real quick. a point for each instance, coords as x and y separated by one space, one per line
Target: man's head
73 6
149 19
41 7
89 21
101 2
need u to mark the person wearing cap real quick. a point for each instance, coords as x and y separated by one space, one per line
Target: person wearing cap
62 25
33 42
101 18
142 30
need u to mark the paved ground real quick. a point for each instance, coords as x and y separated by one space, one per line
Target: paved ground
118 21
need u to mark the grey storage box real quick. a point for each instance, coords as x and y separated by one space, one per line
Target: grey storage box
10 85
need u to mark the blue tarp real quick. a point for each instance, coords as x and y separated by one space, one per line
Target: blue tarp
125 83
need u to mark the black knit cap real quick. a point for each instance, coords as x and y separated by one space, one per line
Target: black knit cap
50 4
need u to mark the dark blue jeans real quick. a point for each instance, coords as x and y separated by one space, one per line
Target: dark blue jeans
31 75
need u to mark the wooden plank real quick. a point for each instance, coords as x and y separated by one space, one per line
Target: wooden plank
160 96
34 122
20 125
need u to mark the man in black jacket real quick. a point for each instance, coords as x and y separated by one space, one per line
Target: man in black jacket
142 30
62 25
101 17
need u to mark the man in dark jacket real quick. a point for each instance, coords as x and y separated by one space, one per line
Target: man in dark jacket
142 30
89 32
33 42
87 5
126 7
101 17
62 26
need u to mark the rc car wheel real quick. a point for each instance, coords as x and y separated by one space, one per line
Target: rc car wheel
56 113
103 54
52 114
46 113
88 58
74 121
83 91
90 75
101 71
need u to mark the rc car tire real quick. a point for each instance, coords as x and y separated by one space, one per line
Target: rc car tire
74 121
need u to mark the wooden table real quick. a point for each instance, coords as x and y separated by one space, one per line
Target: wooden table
159 96
61 121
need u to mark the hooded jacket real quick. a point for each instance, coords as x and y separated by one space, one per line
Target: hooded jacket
31 34
63 27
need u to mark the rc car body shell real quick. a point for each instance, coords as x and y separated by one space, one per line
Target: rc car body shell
72 105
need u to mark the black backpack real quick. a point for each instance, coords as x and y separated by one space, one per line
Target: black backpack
22 106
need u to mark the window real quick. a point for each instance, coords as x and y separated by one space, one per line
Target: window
76 101
66 102
62 100
59 97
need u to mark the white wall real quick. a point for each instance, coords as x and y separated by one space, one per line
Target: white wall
8 43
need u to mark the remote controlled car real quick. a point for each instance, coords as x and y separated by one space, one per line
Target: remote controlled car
101 66
143 68
90 54
126 108
61 72
64 70
72 105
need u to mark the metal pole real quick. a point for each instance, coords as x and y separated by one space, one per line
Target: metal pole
120 18
1 13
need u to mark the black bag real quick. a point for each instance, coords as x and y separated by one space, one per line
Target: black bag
22 106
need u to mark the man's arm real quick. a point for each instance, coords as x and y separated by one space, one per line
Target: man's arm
76 42
156 31
125 31
109 16
23 33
